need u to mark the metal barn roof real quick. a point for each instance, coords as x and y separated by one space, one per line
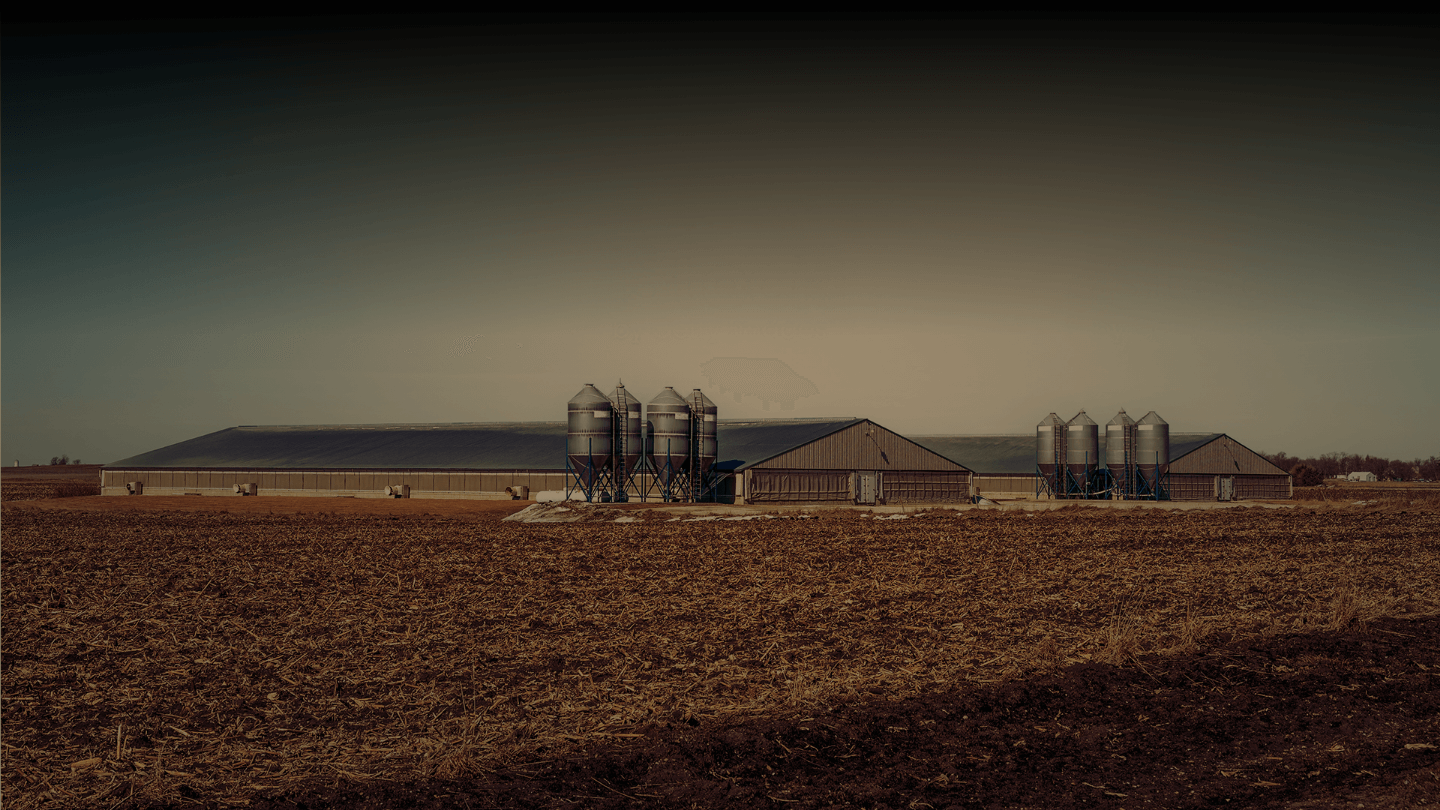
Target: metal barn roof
541 446
475 446
1016 453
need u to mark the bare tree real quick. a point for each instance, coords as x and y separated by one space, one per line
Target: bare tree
1306 476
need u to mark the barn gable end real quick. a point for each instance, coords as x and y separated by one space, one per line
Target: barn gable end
863 446
1223 456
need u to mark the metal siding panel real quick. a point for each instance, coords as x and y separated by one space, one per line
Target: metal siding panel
1263 487
1223 456
926 487
1190 487
799 486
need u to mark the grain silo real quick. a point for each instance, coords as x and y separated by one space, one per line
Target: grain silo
1050 455
629 439
704 414
1082 455
589 446
1120 455
1152 456
669 448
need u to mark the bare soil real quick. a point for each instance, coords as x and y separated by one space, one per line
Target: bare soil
1250 657
1346 719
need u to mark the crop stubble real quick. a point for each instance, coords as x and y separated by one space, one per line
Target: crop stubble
167 656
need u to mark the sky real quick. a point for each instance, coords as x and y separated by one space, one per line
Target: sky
946 225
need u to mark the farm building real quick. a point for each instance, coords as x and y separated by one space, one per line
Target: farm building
765 461
1223 469
1200 466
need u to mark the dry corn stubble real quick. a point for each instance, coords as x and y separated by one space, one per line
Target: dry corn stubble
42 490
219 655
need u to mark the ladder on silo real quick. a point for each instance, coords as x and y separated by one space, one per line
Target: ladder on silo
1128 488
697 429
1062 468
621 426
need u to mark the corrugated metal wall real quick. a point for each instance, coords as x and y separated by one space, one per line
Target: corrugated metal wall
1006 485
1193 487
925 487
864 446
1263 487
360 482
777 486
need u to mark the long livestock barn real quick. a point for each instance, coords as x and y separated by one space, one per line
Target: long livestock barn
1204 467
765 461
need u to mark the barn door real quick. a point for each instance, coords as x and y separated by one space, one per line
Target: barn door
1225 488
865 487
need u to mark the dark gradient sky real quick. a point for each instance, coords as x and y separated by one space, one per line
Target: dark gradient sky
947 225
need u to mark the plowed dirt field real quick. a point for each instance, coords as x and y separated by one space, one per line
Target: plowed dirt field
1079 658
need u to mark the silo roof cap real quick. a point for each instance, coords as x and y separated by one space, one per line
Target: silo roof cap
669 397
1121 418
589 395
1081 419
1152 418
1050 421
622 396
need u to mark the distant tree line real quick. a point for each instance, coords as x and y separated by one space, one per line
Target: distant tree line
56 461
1309 472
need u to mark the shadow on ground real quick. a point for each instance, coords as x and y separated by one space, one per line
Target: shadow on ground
1308 721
